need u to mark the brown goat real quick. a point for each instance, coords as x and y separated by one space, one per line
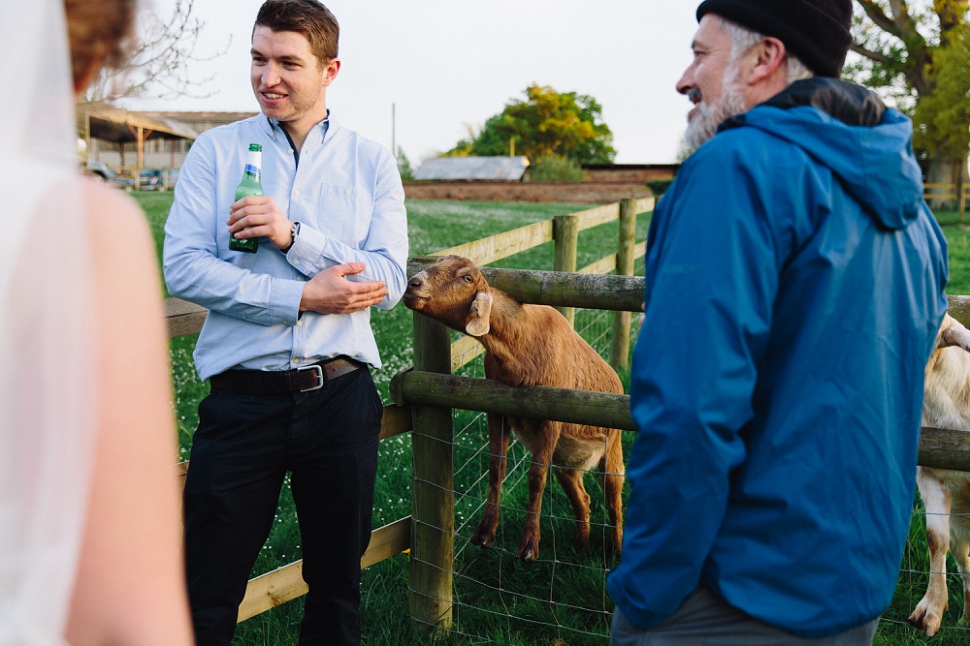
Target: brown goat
529 345
946 404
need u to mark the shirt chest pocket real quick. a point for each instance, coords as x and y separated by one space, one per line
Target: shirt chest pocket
344 213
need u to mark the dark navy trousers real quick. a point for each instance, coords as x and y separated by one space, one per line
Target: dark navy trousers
241 452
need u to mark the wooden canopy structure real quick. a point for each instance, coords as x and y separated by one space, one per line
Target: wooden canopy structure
120 126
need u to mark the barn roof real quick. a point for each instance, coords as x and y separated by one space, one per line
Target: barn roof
473 168
119 125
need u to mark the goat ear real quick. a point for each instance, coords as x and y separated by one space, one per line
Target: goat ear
479 314
955 335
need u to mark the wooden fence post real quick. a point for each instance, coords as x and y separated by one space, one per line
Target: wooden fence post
565 232
433 506
624 267
961 202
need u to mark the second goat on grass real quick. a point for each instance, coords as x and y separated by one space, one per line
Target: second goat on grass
946 404
529 345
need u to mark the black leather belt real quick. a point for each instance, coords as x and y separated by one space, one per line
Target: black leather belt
302 379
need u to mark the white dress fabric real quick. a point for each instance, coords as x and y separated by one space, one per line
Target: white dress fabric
48 376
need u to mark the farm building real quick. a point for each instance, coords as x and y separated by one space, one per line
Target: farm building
473 169
114 139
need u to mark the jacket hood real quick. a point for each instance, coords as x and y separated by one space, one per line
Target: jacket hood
846 128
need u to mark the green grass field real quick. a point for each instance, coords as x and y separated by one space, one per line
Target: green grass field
562 598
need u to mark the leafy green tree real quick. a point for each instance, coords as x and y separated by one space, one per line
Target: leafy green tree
404 166
546 123
910 52
943 117
556 168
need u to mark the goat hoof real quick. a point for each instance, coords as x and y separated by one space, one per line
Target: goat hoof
528 556
483 538
926 620
529 549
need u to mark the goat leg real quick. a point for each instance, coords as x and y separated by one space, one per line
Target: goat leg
571 481
544 446
959 548
613 474
929 611
498 448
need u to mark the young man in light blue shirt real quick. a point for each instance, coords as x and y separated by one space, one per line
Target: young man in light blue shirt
287 341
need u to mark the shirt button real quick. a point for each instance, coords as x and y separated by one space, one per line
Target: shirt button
347 192
294 361
299 324
296 191
296 262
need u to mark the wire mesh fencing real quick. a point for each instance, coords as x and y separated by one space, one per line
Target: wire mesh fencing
561 598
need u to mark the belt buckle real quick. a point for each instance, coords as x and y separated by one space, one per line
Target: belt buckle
319 370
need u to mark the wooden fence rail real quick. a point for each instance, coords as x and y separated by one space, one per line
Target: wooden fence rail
286 583
437 389
944 191
429 393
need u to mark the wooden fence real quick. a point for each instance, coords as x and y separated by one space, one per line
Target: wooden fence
432 392
943 192
286 583
557 288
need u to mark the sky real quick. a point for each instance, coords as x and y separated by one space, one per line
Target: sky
448 65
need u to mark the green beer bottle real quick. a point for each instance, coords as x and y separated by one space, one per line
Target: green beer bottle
249 186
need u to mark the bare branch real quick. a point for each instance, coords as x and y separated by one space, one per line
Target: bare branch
871 55
161 64
906 25
879 17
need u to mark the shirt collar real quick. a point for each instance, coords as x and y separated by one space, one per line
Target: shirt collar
328 124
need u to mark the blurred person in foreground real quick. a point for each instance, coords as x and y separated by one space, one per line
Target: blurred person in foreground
794 288
287 343
89 519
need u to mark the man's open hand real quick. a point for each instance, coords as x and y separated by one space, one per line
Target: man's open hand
329 292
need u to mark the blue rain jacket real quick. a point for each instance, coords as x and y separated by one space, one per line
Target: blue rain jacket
794 287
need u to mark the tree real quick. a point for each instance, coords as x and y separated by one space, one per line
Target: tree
912 52
159 64
545 124
404 166
943 117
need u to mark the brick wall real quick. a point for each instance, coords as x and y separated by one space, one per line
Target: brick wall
577 192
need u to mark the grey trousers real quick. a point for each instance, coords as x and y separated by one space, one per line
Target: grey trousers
705 619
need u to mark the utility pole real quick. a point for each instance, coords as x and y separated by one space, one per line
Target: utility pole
393 130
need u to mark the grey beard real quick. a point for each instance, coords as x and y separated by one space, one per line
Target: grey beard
704 124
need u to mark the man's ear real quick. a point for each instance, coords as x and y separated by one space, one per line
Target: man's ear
769 55
330 71
478 315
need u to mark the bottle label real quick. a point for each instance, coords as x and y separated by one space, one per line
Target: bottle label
252 170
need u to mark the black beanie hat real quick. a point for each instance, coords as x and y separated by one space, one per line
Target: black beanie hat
816 31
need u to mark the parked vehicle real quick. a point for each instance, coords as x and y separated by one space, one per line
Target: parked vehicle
106 174
154 179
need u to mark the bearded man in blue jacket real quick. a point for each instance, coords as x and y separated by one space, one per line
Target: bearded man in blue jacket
794 287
